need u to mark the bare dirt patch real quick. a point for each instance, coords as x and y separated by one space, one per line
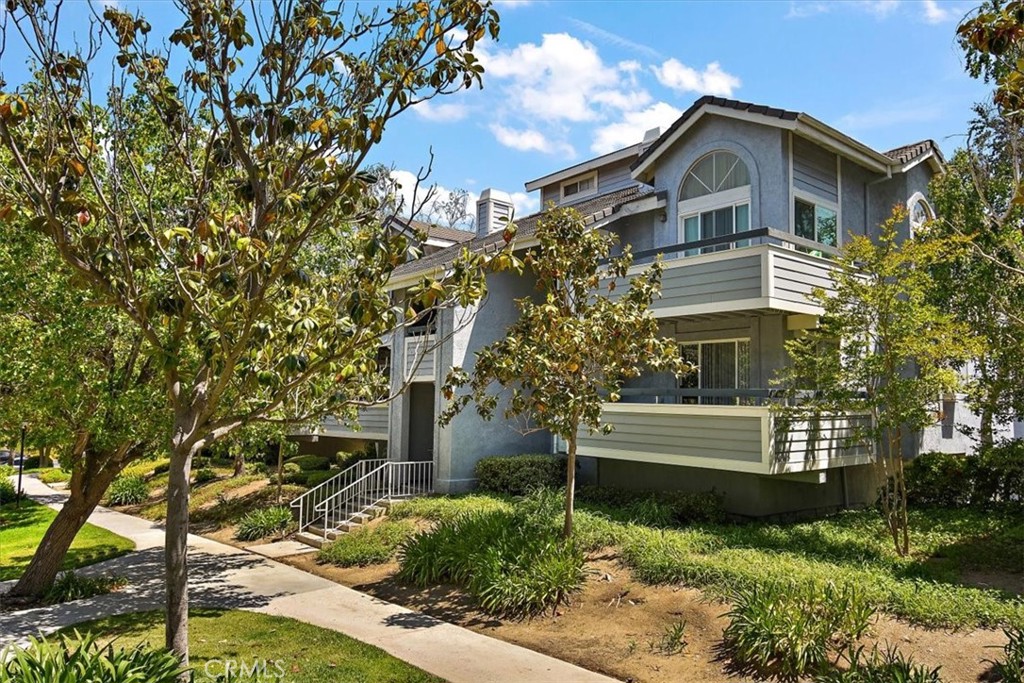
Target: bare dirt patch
616 626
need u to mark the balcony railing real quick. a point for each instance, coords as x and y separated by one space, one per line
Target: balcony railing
746 238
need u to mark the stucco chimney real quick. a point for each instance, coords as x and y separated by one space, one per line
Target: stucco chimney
649 138
493 209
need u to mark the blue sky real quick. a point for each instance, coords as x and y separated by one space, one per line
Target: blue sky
571 79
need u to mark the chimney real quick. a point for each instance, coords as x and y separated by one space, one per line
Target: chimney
649 139
493 209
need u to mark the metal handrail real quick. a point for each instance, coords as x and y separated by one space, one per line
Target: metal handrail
768 235
306 503
389 481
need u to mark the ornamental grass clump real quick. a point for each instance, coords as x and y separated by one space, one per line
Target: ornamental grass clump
130 489
262 523
67 659
788 629
511 561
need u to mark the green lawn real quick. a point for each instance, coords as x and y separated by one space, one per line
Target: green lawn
22 529
307 654
932 587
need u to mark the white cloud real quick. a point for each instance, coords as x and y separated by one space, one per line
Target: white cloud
879 8
801 9
630 130
525 203
553 80
616 39
529 140
441 113
933 14
712 81
512 4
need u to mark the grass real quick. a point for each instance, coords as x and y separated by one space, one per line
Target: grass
307 654
201 495
851 548
21 530
367 545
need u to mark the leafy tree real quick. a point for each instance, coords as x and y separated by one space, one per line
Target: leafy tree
992 39
974 197
883 348
76 373
451 210
570 351
219 205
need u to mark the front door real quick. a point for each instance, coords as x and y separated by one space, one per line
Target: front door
421 421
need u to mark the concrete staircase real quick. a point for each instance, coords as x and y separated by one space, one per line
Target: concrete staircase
315 535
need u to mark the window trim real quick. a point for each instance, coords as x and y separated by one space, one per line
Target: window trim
713 202
918 197
816 201
576 179
736 361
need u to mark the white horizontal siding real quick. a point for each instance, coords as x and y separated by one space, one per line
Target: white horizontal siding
421 350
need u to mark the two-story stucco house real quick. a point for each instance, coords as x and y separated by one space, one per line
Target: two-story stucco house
747 204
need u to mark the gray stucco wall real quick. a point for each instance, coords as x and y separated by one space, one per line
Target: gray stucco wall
469 437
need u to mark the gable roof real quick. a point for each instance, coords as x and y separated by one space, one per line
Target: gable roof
593 210
908 154
799 122
432 230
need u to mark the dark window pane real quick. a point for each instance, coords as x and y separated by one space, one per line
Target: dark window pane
826 226
804 223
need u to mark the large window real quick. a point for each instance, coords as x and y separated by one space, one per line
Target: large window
815 220
714 200
920 213
721 364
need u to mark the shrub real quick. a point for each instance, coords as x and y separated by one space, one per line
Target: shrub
7 471
8 491
71 586
54 476
516 475
308 463
204 475
446 508
129 489
657 508
162 468
511 562
1010 668
884 666
790 629
257 468
367 545
995 474
344 460
999 475
265 522
73 659
33 462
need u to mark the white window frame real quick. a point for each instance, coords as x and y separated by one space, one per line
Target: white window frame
592 176
914 199
736 362
712 202
809 198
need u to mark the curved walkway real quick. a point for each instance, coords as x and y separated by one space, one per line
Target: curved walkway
227 577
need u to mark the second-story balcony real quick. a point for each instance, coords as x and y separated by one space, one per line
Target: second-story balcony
763 269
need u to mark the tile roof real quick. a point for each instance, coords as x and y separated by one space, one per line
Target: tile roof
437 231
750 107
907 153
593 209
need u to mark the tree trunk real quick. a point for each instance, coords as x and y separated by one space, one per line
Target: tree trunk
239 464
570 487
280 468
49 556
176 557
986 429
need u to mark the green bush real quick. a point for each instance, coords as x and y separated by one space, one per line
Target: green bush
76 659
994 475
790 630
517 475
54 476
344 460
130 489
367 545
33 462
8 491
656 508
1010 667
883 666
511 561
999 475
308 463
204 475
7 471
265 522
71 586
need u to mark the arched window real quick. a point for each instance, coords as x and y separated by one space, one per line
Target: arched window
920 213
714 200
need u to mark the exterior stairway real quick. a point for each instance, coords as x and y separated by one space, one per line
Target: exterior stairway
357 495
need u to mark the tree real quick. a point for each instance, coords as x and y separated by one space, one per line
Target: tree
451 209
883 348
570 351
974 197
76 374
219 204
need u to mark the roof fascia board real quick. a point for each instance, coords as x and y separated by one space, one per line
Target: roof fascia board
827 136
930 157
697 116
584 167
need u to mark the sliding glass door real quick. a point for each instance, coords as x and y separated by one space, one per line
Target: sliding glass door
720 365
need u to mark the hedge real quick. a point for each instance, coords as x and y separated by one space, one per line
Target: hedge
517 475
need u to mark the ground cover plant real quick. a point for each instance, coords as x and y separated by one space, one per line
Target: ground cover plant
70 658
73 586
22 528
130 489
882 665
367 545
306 654
272 521
852 548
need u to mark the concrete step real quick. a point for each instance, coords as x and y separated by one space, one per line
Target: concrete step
310 539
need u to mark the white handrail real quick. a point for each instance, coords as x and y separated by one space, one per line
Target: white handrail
389 481
307 502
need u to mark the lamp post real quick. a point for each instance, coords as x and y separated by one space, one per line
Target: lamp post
21 465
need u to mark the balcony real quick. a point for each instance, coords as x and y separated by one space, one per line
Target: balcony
763 269
729 429
373 423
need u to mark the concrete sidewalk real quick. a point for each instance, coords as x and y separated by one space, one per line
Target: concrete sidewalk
224 576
